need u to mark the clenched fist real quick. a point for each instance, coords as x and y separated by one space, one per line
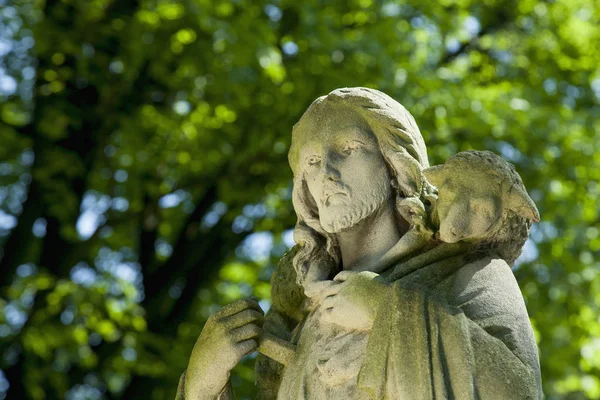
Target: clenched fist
227 336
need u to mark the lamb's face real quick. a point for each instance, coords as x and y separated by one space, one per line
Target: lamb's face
469 205
476 190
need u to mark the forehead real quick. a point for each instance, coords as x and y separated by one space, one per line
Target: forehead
332 127
322 139
472 180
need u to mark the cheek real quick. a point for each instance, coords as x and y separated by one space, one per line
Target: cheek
452 225
484 218
312 185
366 170
443 208
373 163
460 221
478 225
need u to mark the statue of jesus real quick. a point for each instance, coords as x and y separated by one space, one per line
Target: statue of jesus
399 286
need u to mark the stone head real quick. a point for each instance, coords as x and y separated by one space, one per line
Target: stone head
477 192
351 151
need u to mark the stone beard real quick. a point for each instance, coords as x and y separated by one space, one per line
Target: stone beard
347 211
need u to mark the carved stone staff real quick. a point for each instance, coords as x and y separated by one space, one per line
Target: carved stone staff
278 349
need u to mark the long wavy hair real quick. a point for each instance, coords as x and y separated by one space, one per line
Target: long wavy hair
403 150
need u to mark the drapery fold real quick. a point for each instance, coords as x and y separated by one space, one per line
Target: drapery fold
474 342
418 349
454 326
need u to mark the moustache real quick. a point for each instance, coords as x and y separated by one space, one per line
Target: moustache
331 190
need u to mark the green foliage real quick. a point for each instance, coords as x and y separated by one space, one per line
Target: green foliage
144 179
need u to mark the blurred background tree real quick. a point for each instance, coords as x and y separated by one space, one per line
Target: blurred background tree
144 180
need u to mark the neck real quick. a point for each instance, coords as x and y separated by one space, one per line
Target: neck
365 243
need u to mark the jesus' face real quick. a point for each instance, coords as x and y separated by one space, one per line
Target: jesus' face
344 169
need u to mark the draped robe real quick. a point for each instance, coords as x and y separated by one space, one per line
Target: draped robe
452 326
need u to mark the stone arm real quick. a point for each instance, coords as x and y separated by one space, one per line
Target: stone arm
226 394
285 314
472 340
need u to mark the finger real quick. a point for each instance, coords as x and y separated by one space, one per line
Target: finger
343 275
327 317
246 347
246 332
368 274
331 290
242 318
315 288
329 303
238 306
328 313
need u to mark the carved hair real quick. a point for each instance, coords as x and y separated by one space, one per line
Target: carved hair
403 150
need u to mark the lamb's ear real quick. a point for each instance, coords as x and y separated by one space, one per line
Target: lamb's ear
434 175
520 202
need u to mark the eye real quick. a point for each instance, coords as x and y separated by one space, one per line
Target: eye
313 160
350 147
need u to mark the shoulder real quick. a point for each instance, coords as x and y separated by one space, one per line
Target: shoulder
487 291
485 272
488 294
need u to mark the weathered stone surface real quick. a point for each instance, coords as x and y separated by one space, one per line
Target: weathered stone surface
399 286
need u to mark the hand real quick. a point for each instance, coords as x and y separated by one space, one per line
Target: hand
352 299
227 336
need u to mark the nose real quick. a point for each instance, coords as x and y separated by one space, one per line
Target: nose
328 170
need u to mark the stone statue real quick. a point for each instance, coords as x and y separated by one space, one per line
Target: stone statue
399 286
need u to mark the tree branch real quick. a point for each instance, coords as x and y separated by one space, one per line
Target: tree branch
183 250
502 20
